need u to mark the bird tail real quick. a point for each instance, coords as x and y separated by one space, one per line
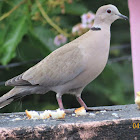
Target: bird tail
13 94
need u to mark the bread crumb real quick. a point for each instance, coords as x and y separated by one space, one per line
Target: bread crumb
103 111
72 114
59 114
91 114
16 119
46 114
115 114
137 100
32 114
80 111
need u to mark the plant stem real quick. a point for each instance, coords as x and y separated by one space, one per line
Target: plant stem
44 14
11 11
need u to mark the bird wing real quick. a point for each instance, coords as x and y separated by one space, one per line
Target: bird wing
58 68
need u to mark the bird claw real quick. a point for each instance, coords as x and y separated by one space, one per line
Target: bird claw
102 109
88 109
69 111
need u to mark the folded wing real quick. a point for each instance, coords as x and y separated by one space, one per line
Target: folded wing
58 68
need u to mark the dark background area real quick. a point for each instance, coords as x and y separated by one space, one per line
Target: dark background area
26 37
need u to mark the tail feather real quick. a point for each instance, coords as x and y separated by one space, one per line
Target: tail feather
7 102
12 95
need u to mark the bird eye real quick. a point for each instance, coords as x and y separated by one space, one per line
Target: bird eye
109 11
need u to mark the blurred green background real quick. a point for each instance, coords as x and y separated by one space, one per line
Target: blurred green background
26 37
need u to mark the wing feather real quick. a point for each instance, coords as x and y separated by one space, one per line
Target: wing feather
17 81
58 68
61 66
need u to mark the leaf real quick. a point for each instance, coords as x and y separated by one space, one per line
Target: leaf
1 4
3 30
36 42
17 30
75 9
45 36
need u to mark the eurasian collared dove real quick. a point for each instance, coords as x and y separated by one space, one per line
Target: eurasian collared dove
71 67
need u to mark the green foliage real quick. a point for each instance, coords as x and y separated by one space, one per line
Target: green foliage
115 83
17 31
25 34
79 10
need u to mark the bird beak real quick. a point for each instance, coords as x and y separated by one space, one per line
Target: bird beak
122 16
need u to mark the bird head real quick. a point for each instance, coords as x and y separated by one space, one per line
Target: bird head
108 14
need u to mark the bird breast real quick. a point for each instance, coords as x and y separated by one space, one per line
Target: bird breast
95 55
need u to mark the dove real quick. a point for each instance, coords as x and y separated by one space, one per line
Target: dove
68 69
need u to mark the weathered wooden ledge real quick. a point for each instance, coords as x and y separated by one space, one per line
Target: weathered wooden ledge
111 125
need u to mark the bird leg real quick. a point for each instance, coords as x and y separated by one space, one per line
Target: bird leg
60 103
79 99
81 102
59 100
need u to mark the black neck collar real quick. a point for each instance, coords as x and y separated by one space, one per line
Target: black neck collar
95 29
